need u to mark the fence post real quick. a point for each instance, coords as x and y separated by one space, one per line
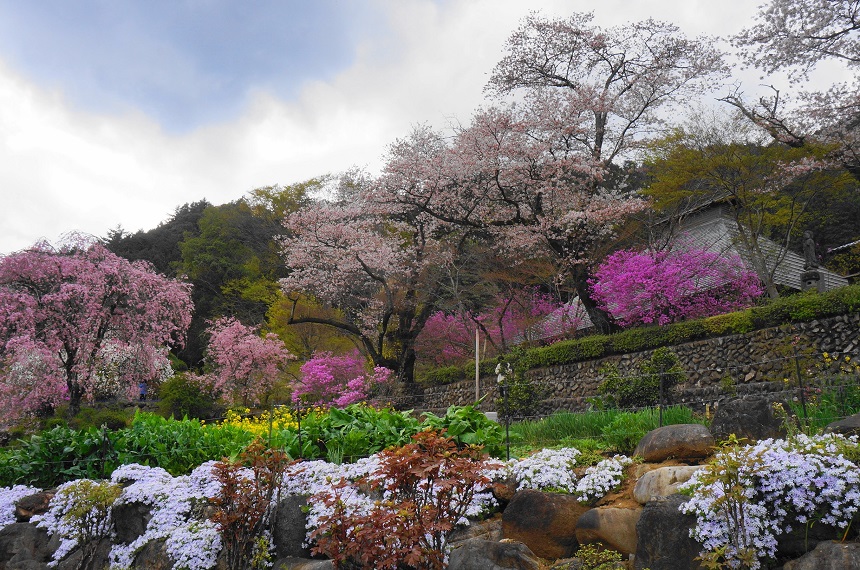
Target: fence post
662 386
802 387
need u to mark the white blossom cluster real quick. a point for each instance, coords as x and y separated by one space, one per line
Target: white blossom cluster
8 497
56 523
547 470
177 503
750 495
601 478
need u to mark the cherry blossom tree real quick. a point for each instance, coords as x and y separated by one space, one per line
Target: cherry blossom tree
62 308
794 36
380 264
617 78
662 287
243 365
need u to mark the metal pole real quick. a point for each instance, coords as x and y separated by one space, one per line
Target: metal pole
802 387
662 378
477 365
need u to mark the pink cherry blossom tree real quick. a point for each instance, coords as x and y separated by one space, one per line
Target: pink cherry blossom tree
661 287
243 365
380 264
331 380
62 307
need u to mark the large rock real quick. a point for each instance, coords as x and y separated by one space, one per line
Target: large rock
545 522
614 527
682 441
153 556
664 536
662 482
828 556
94 557
847 426
490 529
35 504
23 546
751 417
294 563
130 520
480 554
290 528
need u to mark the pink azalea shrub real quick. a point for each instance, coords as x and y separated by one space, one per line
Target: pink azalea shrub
661 287
329 380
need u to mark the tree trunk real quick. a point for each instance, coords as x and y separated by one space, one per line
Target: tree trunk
601 320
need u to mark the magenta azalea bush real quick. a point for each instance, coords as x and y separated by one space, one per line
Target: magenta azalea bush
662 287
330 380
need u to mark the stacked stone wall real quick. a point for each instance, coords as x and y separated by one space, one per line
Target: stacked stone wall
755 362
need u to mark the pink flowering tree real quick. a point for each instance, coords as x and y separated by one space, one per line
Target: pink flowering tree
243 365
62 309
795 36
329 380
661 287
528 315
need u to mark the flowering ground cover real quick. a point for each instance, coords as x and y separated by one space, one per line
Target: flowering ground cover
455 485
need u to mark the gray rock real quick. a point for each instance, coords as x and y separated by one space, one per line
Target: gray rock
847 426
682 441
35 504
662 482
24 547
751 417
545 522
294 563
290 528
828 556
480 554
664 536
130 520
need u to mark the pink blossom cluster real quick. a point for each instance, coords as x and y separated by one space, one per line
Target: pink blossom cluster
244 365
661 287
331 380
62 308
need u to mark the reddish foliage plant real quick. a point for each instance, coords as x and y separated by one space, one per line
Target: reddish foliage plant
426 486
244 505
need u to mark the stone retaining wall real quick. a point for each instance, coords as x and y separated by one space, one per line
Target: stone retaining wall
755 362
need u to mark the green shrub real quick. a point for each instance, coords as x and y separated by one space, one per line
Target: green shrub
179 397
729 323
626 430
444 375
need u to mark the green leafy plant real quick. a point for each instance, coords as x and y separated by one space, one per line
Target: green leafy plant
180 397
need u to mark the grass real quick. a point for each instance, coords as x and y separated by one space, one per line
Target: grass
614 430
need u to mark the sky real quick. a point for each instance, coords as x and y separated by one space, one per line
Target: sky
114 113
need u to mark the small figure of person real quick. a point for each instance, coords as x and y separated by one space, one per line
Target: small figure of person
810 260
142 387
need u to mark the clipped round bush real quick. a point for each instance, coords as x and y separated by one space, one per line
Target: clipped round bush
180 397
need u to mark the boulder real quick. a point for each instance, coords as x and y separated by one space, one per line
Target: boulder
35 504
682 441
664 536
828 556
611 526
94 556
480 554
289 532
751 417
130 520
295 563
153 556
662 482
490 529
24 546
847 426
804 538
545 522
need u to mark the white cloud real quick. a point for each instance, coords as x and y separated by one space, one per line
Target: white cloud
62 169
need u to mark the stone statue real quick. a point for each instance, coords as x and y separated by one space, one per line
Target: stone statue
810 260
